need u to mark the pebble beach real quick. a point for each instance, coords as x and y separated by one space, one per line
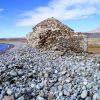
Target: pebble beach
32 74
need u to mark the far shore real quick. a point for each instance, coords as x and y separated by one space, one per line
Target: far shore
10 40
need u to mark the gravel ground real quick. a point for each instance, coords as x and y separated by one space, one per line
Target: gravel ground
32 74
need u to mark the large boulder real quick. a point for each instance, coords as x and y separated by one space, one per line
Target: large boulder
52 34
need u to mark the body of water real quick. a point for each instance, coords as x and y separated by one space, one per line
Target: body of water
4 46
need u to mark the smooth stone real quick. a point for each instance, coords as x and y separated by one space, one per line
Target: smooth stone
41 94
66 93
89 86
17 95
83 87
8 98
0 88
83 94
41 84
1 94
22 90
73 97
20 72
33 85
9 91
13 73
21 98
38 87
88 98
68 80
10 66
54 89
50 97
60 93
95 87
63 72
40 98
60 87
85 82
31 66
46 74
96 96
56 71
34 71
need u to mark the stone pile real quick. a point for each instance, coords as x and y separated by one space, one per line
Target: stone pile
52 34
31 74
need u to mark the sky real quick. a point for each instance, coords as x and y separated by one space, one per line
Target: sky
17 17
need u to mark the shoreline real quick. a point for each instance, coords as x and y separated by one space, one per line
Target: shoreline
12 42
8 48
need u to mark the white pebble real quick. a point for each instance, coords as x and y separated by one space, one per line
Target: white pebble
68 80
96 96
9 91
21 98
63 72
66 93
33 85
40 98
13 73
85 82
56 71
84 94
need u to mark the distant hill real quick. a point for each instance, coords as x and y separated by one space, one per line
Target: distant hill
95 33
97 30
92 35
13 39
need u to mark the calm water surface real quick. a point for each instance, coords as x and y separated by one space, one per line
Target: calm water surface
4 46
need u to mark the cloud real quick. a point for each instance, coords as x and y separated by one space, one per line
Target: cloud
60 9
1 9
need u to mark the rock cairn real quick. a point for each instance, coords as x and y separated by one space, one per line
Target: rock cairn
52 34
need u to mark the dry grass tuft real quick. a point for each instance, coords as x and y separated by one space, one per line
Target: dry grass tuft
94 45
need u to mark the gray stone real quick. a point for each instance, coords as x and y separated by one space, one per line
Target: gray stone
21 98
8 98
88 98
63 72
84 94
66 93
60 93
40 98
9 91
1 94
68 80
85 82
96 96
60 87
13 73
56 71
20 72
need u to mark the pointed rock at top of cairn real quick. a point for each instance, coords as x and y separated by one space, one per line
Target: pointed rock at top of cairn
51 24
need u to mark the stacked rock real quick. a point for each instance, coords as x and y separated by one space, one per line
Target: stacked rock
52 34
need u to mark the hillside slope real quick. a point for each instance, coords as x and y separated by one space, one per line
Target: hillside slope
97 30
